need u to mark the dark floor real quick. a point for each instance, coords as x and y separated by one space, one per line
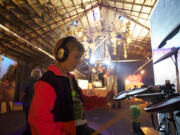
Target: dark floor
118 121
12 123
108 121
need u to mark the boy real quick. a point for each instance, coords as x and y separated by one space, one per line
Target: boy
58 104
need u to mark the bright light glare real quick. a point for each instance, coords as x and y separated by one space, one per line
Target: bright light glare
92 60
126 81
120 17
107 62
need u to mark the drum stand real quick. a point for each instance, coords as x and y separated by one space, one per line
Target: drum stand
168 124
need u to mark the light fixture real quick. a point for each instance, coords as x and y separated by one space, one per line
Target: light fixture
120 17
125 53
75 23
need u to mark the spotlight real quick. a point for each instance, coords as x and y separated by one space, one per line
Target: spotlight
120 17
75 23
107 62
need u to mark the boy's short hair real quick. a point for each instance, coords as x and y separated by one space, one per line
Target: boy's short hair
75 44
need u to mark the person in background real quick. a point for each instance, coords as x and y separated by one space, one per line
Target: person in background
58 104
28 95
103 75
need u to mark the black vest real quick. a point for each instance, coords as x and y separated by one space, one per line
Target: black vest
63 107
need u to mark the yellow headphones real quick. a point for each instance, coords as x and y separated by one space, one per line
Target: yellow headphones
60 53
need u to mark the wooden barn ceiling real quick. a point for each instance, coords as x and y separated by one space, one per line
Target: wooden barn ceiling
30 26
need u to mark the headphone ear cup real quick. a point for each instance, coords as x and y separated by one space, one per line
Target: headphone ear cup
60 54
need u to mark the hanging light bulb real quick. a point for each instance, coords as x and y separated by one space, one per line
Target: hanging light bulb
125 53
129 40
113 40
114 51
119 42
114 45
96 34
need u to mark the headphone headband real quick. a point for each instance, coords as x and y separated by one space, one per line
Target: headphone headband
66 40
